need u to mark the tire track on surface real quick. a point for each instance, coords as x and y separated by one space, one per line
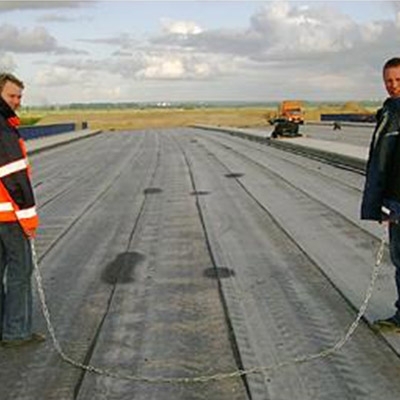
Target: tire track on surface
80 292
53 234
340 374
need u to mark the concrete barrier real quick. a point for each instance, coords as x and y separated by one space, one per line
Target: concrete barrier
367 125
48 142
344 155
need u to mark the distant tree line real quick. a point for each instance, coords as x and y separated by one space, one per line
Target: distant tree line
142 105
185 105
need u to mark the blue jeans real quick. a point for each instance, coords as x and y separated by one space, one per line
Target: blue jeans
16 268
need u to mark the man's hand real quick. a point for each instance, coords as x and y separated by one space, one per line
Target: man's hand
30 233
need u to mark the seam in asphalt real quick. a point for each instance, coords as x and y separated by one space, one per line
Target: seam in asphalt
231 332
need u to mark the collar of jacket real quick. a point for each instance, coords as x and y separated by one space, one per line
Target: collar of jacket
392 104
8 114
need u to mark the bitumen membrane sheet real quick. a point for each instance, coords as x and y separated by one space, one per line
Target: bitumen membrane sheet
175 258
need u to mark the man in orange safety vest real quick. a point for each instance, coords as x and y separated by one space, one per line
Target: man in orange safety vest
18 223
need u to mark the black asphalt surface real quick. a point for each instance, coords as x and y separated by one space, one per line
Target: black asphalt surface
188 253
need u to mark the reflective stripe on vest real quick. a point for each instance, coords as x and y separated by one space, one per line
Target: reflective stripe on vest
7 211
6 206
12 167
26 213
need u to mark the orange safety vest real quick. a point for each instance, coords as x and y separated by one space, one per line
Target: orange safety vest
9 209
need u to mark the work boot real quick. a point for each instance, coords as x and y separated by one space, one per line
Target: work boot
34 338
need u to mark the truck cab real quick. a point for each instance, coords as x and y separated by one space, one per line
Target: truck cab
292 110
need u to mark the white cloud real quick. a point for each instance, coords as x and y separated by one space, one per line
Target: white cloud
296 29
163 69
286 48
60 76
276 30
178 66
395 5
35 5
7 62
23 40
281 31
284 36
35 40
54 18
123 40
76 82
396 8
62 18
153 66
180 27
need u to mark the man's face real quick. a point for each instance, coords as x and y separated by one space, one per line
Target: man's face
391 77
12 95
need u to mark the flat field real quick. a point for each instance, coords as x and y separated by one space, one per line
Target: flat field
156 118
128 119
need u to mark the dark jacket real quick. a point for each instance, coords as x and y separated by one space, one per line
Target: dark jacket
382 184
17 184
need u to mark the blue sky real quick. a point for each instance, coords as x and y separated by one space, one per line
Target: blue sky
94 51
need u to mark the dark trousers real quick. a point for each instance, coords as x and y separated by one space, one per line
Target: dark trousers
16 268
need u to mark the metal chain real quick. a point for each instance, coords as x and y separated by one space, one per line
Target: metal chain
206 378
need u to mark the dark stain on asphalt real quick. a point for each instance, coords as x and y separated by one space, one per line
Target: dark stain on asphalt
218 273
234 175
152 190
121 270
200 193
37 184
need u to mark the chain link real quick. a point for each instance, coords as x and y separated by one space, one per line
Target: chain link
206 378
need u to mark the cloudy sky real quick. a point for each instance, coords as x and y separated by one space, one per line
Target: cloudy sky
93 51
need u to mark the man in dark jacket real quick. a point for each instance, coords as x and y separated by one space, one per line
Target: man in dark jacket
381 198
18 222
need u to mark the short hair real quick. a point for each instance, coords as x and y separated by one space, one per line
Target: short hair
7 77
392 63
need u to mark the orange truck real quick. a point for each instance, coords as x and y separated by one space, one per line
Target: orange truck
292 110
